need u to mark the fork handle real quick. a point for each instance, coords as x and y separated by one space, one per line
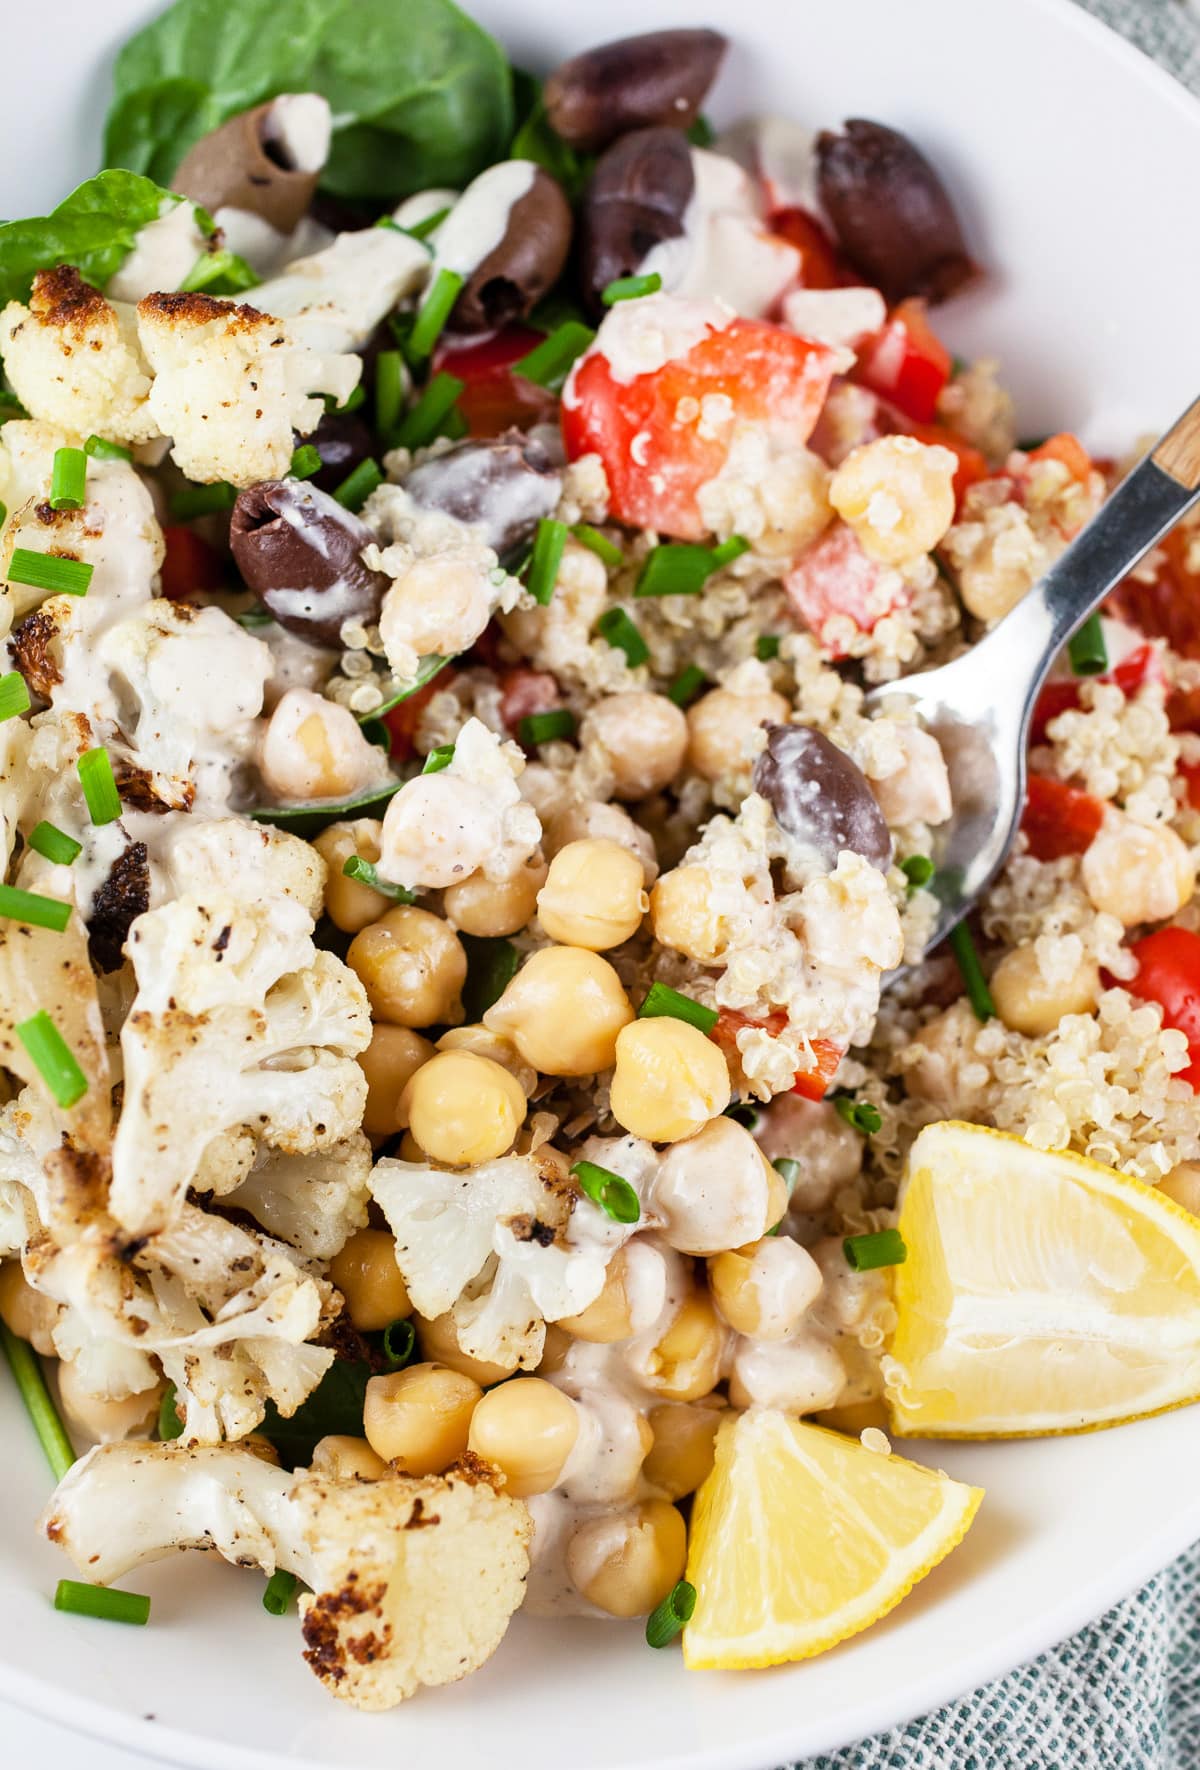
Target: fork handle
1144 506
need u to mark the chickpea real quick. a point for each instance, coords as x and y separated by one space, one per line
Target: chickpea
642 737
494 907
627 1563
484 1043
347 1459
419 1419
609 1317
350 905
412 966
1183 1185
441 604
438 1341
314 749
527 1428
555 1351
389 1062
764 1290
593 896
802 1374
25 1312
919 790
684 916
793 494
682 1454
1137 872
669 1080
563 1011
366 1273
104 1420
463 1109
686 1363
722 727
595 817
714 1190
1028 1002
410 1149
897 494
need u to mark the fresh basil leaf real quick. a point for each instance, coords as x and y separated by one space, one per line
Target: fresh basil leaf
94 229
335 1406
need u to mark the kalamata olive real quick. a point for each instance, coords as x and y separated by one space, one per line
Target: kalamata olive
660 77
893 217
820 797
512 278
505 484
302 553
342 440
636 199
266 160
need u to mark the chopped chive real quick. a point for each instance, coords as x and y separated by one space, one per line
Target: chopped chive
279 1592
399 1343
33 909
454 426
101 450
99 788
615 1196
194 501
54 844
3 513
677 568
918 869
630 288
431 412
68 480
788 1169
27 1373
668 1618
615 626
860 1115
687 685
306 460
169 1423
766 647
421 230
599 544
544 728
389 390
257 616
357 487
434 311
1087 649
53 1058
730 550
351 403
865 1253
546 558
364 871
549 363
663 1002
14 695
102 1601
492 963
49 571
975 983
439 758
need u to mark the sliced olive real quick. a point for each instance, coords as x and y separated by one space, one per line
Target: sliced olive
636 199
820 797
893 217
525 265
343 441
246 165
505 484
660 77
302 553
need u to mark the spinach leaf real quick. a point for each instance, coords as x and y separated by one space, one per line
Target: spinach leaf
310 820
421 95
93 229
536 141
335 1406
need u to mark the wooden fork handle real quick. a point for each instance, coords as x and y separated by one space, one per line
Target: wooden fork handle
1178 453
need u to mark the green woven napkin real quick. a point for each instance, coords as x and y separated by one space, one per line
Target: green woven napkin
1124 1693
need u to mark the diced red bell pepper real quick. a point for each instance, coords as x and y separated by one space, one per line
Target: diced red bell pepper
523 692
836 579
403 719
494 398
660 446
1058 819
820 265
972 465
190 564
1169 606
907 362
1142 664
1169 973
1055 698
812 1083
1070 451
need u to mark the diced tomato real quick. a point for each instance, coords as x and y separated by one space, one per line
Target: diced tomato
812 1083
403 720
190 564
972 466
820 265
523 692
1169 973
494 398
1058 819
1070 451
835 579
659 446
907 362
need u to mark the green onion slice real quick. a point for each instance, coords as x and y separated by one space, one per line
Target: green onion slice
68 480
677 568
279 1591
366 874
49 571
491 966
169 1423
665 1622
421 230
615 1196
439 758
389 390
399 1342
14 695
746 1113
102 450
194 501
860 1115
663 1002
549 363
630 288
975 983
357 487
598 544
33 909
54 844
99 788
866 1253
351 403
53 1058
615 626
26 1368
788 1169
687 685
544 728
766 647
434 311
306 460
730 550
102 1601
918 869
548 544
431 414
1087 649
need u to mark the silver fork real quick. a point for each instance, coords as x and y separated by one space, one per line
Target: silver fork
979 706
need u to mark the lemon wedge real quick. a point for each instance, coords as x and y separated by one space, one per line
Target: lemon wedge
1042 1292
801 1537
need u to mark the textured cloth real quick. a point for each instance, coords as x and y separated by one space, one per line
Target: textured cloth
1123 1694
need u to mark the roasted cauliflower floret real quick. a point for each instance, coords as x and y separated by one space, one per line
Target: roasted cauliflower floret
413 1579
74 360
206 853
337 297
313 1202
233 384
440 828
238 1020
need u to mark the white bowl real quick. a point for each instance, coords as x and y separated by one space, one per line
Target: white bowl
1069 155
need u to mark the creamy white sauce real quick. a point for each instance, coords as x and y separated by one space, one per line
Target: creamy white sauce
164 251
782 154
422 204
263 247
337 297
835 316
299 125
479 220
726 251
